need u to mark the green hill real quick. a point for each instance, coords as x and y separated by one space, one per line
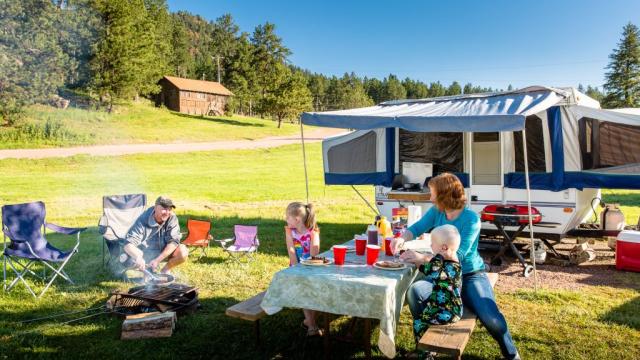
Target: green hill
46 126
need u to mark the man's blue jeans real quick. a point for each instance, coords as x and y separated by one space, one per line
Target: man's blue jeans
477 295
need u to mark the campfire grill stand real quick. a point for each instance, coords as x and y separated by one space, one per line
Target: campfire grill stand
500 220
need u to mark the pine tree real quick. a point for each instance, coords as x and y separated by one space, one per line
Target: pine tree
181 61
241 78
33 64
623 79
454 89
392 89
268 54
289 97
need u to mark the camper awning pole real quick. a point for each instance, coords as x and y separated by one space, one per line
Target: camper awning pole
304 161
526 176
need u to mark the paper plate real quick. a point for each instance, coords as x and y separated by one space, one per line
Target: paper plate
307 263
375 265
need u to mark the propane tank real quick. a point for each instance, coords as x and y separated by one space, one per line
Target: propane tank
612 218
539 251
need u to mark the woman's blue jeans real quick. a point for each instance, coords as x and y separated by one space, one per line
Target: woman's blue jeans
477 295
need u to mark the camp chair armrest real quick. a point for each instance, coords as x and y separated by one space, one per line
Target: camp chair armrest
64 230
224 241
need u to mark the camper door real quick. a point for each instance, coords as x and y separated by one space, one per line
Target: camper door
363 157
486 178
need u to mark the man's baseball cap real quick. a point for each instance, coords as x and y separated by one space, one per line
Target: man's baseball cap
165 202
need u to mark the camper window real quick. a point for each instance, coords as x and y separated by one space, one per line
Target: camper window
535 146
613 144
442 149
354 156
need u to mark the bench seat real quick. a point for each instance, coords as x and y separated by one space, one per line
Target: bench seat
452 339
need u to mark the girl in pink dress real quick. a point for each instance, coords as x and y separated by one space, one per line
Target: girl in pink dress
303 242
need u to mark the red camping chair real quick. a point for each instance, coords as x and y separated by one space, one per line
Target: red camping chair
198 235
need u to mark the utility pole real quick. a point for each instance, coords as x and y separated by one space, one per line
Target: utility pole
218 57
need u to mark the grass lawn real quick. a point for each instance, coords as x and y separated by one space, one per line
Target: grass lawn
46 126
254 186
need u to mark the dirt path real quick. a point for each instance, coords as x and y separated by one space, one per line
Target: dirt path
114 150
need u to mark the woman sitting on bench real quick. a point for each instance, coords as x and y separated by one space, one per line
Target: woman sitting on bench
447 194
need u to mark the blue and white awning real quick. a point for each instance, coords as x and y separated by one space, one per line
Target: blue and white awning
465 113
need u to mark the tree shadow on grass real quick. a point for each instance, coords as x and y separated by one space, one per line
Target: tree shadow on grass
627 314
217 120
207 333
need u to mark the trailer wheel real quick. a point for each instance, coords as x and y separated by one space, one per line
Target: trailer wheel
527 271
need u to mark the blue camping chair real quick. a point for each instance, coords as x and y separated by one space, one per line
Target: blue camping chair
25 227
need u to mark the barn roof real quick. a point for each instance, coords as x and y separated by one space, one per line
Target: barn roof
210 87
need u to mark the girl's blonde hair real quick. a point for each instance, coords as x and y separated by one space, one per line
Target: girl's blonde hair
304 211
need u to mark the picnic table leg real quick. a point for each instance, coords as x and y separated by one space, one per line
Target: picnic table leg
367 338
257 332
327 335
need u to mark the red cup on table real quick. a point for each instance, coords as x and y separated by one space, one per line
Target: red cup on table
372 254
339 253
361 243
387 246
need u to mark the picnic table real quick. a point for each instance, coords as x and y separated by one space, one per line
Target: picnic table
353 289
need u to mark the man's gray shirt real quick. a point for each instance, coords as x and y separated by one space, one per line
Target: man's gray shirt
146 233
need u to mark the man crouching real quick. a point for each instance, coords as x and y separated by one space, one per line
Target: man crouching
155 236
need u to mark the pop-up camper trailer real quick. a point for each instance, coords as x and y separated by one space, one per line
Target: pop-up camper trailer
573 149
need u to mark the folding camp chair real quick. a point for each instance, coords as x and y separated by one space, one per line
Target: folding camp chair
198 235
25 227
119 213
245 243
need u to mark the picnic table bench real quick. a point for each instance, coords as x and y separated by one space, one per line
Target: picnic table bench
249 310
452 339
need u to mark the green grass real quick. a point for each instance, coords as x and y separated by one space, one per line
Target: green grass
46 126
254 186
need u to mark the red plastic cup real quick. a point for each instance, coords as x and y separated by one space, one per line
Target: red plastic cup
361 244
387 246
339 253
372 254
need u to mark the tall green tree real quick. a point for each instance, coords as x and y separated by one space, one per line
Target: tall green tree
436 89
224 44
392 89
454 89
241 78
159 24
346 93
415 89
268 53
125 63
374 89
33 64
623 78
289 96
181 63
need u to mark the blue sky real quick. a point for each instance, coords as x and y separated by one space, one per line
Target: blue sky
488 43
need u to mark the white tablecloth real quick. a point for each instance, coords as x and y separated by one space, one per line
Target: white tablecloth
353 289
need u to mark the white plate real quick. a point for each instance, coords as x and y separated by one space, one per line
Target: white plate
375 265
307 263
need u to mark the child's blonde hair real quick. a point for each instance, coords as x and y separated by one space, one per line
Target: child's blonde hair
446 235
305 212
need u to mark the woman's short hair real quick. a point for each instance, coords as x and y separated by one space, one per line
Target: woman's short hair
449 192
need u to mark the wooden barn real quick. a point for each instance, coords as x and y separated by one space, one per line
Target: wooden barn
196 97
